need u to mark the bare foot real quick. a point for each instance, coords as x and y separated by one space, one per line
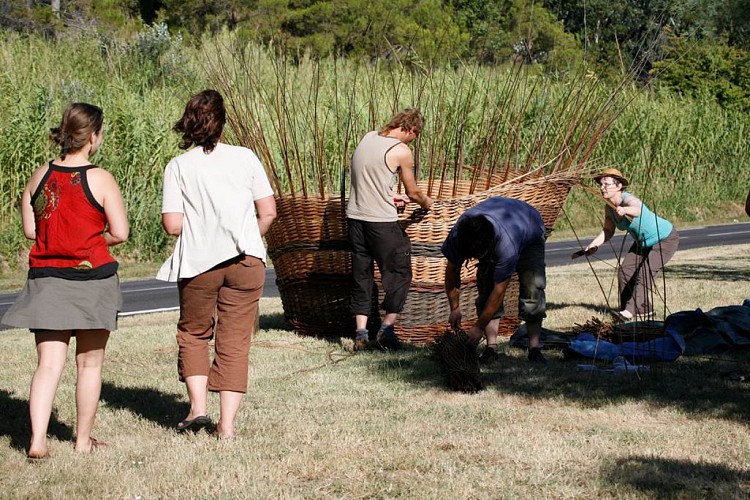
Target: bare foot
220 433
93 445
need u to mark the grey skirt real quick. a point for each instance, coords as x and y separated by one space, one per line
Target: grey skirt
59 304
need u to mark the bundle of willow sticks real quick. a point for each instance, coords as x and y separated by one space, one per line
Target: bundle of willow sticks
460 362
640 331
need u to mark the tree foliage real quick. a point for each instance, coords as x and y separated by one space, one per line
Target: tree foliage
709 39
519 30
116 16
711 68
418 29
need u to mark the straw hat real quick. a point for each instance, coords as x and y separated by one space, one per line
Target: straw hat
612 172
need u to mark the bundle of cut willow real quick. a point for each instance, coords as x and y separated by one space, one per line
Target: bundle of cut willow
618 332
459 360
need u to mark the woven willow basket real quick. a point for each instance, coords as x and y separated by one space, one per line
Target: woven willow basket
310 251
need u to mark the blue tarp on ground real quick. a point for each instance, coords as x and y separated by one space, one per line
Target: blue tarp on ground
667 348
687 332
719 330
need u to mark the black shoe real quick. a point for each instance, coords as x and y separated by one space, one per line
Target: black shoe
361 344
387 340
489 356
536 356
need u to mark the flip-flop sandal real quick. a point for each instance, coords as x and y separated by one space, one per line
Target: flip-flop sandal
194 425
98 445
34 458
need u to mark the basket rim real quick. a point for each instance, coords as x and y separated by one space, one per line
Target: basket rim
558 178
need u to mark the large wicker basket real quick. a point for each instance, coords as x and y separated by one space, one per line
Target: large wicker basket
310 252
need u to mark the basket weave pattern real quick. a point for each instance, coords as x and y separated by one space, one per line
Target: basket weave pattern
310 251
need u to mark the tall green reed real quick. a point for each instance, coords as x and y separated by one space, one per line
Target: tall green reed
45 76
689 159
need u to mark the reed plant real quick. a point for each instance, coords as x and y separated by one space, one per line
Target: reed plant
688 158
42 77
304 117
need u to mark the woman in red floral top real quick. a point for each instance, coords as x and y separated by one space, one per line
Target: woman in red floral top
74 212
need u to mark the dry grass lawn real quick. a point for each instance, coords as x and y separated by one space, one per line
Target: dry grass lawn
319 422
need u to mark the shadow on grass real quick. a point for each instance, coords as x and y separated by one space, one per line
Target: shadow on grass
274 321
692 385
669 478
162 408
705 272
15 422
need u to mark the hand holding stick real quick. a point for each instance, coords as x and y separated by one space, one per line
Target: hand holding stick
585 251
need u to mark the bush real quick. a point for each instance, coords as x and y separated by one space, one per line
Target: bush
700 68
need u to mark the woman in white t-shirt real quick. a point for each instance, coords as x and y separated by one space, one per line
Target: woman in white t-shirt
218 202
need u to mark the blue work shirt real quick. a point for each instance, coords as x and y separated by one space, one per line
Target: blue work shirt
516 225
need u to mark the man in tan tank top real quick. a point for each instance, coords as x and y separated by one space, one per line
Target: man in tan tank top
381 158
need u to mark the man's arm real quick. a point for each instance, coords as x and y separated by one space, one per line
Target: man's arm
494 301
401 156
453 291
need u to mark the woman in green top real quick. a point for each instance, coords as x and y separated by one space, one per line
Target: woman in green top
656 241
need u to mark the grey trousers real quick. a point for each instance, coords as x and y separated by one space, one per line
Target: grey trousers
532 281
639 269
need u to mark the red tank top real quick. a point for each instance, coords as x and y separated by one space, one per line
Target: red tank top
70 227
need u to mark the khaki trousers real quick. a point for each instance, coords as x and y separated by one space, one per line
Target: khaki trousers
219 304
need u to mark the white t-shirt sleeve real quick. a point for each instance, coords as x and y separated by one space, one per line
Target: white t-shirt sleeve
171 201
260 186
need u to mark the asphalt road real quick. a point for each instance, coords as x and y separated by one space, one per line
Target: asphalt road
153 296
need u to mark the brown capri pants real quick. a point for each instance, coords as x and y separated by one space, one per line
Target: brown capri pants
220 304
638 271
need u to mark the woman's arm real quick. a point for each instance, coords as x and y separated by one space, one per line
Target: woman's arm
608 230
118 228
27 215
172 222
265 209
27 210
105 190
631 207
